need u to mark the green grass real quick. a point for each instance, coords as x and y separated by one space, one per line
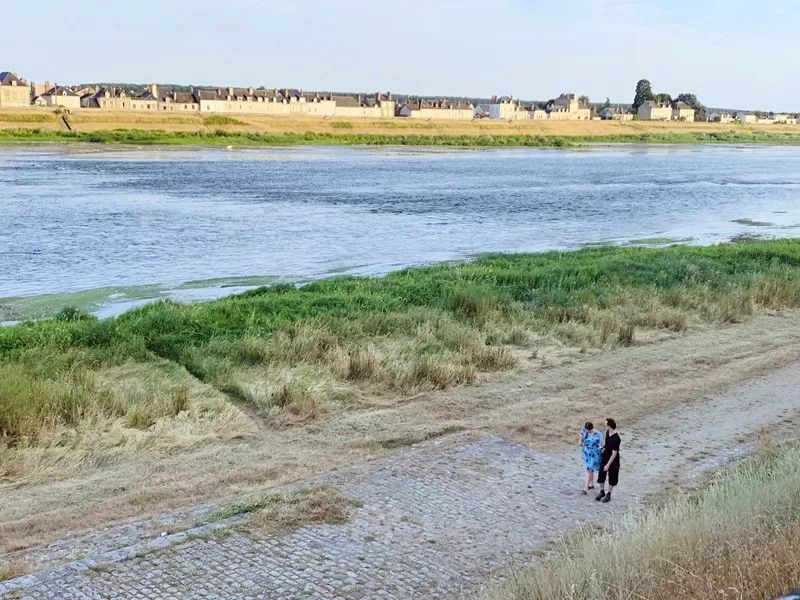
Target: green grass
221 120
737 538
224 138
298 352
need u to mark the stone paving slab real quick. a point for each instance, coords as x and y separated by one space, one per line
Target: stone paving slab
437 520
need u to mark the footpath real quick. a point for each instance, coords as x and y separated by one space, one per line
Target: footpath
443 519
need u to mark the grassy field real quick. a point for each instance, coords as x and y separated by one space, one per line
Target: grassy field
40 125
232 137
735 539
294 354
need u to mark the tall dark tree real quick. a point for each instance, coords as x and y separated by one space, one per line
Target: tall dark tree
644 92
606 104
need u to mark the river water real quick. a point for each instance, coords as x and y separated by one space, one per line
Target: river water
200 223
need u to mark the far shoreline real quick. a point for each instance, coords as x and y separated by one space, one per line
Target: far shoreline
223 139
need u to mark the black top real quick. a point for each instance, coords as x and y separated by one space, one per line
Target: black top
612 443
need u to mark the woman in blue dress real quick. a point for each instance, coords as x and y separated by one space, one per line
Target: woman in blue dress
591 440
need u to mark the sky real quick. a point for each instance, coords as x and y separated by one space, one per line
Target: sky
732 54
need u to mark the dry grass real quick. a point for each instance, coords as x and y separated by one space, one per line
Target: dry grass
284 512
135 409
735 539
536 406
12 569
95 120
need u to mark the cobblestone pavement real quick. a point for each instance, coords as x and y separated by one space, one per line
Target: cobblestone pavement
439 520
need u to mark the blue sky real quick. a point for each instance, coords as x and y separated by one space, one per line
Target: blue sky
730 53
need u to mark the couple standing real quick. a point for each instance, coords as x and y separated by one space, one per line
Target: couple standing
602 455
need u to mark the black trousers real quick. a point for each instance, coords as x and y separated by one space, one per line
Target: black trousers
612 473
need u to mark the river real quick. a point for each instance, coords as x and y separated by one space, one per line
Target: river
116 227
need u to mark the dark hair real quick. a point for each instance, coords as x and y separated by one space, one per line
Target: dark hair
611 423
588 426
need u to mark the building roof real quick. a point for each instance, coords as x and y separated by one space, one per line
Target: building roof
442 104
58 90
8 78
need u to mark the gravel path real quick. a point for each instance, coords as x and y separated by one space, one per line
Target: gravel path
439 520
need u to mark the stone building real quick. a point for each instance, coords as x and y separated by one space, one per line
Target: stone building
785 119
438 109
682 112
655 111
379 106
567 108
58 96
166 100
264 102
537 113
506 108
615 114
747 118
721 117
108 98
14 92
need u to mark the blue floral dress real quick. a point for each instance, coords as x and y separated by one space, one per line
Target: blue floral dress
591 449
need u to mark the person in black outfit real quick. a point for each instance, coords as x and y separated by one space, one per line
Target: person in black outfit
610 462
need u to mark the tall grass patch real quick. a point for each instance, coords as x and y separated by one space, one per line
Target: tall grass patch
308 350
735 539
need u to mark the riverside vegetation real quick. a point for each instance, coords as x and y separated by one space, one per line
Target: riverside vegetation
737 538
224 137
168 374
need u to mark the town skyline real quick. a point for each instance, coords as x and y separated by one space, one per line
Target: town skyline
437 48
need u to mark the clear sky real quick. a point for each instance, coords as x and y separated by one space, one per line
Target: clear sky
731 53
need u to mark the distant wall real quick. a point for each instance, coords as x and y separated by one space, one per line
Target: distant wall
15 96
451 114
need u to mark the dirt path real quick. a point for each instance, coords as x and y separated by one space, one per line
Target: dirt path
439 519
539 407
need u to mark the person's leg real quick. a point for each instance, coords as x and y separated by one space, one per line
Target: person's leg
601 481
613 480
590 479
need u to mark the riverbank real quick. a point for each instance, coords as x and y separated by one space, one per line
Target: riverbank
312 375
294 354
477 140
735 538
37 126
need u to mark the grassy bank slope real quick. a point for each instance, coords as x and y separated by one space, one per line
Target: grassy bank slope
243 136
735 539
296 353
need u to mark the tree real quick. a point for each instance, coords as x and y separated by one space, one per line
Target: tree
662 98
606 104
644 92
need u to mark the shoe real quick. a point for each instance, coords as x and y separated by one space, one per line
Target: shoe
607 498
584 492
600 495
591 487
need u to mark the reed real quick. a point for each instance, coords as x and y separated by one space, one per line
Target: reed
304 351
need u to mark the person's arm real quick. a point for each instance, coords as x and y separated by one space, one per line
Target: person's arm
610 460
